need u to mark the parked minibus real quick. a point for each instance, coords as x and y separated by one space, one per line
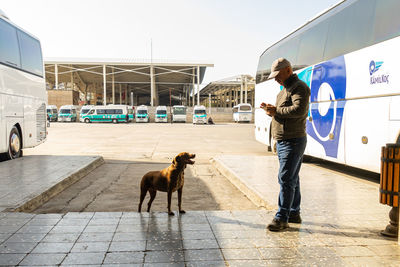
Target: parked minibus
52 112
85 109
199 115
142 114
22 90
161 114
67 113
242 113
179 113
109 113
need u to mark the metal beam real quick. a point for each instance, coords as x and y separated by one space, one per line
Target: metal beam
104 85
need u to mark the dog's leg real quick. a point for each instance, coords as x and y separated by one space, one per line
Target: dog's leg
153 194
143 192
180 200
169 202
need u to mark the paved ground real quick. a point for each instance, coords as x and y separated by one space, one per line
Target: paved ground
155 142
341 214
114 186
131 150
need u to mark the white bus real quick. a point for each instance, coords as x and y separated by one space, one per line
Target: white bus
349 57
161 114
199 115
22 90
178 113
109 113
142 114
242 113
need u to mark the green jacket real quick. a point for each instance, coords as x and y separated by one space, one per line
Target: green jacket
291 110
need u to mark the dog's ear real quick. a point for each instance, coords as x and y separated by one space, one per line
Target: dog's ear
176 160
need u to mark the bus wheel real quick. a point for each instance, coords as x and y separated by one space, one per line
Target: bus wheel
14 144
87 120
115 121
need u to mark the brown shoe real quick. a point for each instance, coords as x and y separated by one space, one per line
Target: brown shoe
277 225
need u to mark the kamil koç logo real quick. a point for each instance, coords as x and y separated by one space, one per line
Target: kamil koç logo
374 66
328 91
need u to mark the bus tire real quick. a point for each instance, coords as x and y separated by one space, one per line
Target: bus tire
115 121
87 120
14 144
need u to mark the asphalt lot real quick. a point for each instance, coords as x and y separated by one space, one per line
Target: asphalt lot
131 150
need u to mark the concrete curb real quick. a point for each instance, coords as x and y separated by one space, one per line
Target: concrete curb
54 190
246 189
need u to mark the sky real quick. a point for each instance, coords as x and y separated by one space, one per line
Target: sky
231 34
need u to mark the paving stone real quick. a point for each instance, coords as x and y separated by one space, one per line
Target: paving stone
84 258
53 248
199 234
91 247
43 221
203 254
164 245
57 238
35 229
354 251
279 253
241 254
17 247
100 228
252 263
64 229
207 264
26 237
73 222
173 264
43 259
127 246
129 236
163 256
200 243
131 228
96 237
11 259
9 229
236 243
124 257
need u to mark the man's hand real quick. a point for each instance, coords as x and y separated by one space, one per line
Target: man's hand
269 109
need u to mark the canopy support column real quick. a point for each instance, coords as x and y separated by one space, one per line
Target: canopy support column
198 85
104 86
56 75
113 86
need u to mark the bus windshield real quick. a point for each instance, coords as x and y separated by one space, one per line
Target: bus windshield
161 112
245 108
84 111
65 111
142 111
179 111
199 112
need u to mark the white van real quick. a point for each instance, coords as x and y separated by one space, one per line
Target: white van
199 115
179 113
67 113
161 114
85 109
242 113
109 113
142 114
52 112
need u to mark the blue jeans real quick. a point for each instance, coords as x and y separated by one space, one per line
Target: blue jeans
290 153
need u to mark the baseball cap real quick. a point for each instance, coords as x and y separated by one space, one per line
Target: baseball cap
277 65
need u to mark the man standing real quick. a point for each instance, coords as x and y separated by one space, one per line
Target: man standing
288 128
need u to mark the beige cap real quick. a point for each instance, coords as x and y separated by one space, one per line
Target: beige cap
277 65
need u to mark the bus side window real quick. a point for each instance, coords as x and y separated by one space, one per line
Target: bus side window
31 54
9 51
91 112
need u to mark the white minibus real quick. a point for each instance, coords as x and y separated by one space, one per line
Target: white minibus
161 114
109 113
199 115
242 113
179 113
142 114
67 113
52 112
22 90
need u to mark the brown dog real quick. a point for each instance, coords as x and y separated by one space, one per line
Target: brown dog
168 180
